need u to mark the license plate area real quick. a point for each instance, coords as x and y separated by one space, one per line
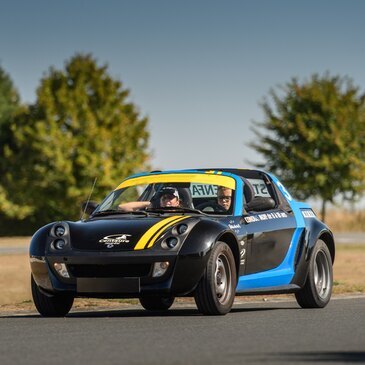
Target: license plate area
108 285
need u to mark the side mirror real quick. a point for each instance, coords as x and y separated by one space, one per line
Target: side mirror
89 208
260 204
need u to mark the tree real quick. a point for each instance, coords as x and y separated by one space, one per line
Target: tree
9 106
80 127
314 138
9 97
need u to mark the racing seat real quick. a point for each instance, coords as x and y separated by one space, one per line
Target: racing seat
248 193
185 198
253 202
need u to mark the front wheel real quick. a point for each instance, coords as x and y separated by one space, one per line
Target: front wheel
57 305
216 290
156 303
317 289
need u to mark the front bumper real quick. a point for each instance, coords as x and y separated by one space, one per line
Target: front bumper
118 274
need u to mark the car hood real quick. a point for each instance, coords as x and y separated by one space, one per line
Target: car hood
121 234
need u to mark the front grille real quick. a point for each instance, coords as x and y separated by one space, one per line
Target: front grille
109 271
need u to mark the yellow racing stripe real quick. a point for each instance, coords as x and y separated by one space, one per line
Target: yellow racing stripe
157 235
158 227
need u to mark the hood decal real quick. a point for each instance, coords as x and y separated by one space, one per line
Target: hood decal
115 239
151 235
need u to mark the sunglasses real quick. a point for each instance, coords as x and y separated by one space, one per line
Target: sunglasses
223 197
168 197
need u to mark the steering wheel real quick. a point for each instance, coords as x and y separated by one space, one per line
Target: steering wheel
216 208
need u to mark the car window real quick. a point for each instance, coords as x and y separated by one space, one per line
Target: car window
260 188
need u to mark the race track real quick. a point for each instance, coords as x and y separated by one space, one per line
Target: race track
256 332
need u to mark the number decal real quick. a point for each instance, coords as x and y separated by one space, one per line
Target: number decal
284 191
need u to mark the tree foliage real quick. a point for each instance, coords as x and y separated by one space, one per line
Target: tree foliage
82 126
313 137
9 106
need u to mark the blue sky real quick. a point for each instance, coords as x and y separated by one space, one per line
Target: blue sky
198 69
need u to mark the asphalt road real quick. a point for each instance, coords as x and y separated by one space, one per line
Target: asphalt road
258 332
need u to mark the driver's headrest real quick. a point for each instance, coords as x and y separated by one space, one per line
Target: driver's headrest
185 197
248 191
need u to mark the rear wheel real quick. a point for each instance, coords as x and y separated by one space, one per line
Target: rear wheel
216 290
53 305
156 303
317 289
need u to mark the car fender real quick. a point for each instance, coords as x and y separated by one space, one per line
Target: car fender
195 253
38 264
203 236
39 240
314 230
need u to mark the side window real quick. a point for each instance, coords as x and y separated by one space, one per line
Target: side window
260 188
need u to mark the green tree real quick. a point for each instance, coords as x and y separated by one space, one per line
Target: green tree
82 126
313 137
9 106
9 97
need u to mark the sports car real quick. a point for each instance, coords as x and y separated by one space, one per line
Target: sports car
210 234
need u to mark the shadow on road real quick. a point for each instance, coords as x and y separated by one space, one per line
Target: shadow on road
175 312
331 357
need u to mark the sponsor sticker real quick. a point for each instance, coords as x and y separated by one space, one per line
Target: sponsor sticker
265 217
203 191
242 252
115 239
308 214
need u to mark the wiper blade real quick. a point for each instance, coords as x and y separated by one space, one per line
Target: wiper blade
113 211
174 209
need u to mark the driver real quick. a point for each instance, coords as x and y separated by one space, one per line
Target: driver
224 196
169 197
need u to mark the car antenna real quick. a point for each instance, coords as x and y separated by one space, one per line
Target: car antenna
88 199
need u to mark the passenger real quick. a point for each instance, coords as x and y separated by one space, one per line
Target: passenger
224 196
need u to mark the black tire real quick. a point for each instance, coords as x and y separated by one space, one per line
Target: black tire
156 303
216 290
317 290
53 305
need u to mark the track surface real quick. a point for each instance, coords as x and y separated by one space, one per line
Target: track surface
255 332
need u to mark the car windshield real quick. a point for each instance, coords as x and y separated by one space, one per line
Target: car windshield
163 197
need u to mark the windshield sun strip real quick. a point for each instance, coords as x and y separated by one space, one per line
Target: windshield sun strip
226 181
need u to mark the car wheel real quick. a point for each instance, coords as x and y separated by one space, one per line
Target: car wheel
156 303
317 289
216 290
53 305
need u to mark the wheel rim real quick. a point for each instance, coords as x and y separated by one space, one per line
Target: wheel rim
322 276
223 278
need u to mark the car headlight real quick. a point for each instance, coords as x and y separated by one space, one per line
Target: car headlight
59 236
182 228
59 244
175 236
159 268
59 230
171 242
61 269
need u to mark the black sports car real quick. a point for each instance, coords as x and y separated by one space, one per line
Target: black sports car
211 234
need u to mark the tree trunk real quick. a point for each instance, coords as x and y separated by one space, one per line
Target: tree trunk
323 210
